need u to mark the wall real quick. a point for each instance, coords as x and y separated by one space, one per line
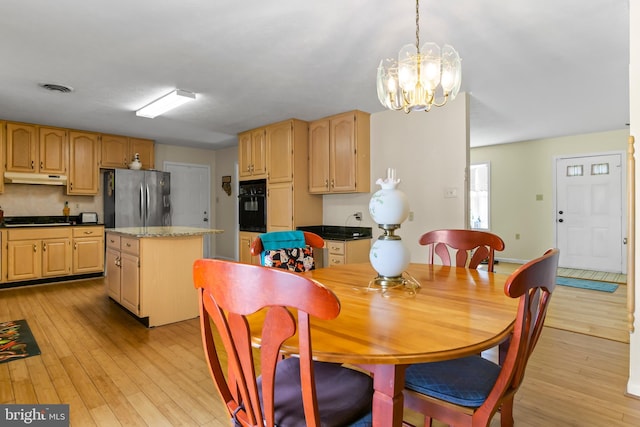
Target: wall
226 207
520 171
429 152
45 200
633 386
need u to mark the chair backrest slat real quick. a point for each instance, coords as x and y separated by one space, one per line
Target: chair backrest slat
470 247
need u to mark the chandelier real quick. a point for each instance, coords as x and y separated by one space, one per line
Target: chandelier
421 77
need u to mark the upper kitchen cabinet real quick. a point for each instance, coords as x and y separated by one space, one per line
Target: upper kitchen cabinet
145 148
118 151
284 140
252 149
83 163
339 154
35 149
3 129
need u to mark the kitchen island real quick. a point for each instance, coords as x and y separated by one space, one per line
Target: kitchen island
149 271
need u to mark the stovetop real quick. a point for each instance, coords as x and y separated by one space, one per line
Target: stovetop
38 221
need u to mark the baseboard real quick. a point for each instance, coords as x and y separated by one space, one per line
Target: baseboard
513 260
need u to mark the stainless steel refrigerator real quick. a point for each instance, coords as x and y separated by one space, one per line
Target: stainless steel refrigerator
136 198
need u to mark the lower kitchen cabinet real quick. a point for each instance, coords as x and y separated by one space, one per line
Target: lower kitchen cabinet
152 276
35 253
245 239
88 249
347 252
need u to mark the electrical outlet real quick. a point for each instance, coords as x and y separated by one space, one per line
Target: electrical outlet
358 216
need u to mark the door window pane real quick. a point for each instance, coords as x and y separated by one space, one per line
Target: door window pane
479 184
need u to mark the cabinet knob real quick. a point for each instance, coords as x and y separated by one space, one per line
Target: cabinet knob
35 248
326 183
333 184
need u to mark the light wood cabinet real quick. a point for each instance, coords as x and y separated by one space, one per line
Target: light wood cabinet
36 253
152 276
53 150
123 271
280 210
118 151
245 239
88 249
252 149
34 149
145 149
339 154
84 170
3 133
347 252
280 156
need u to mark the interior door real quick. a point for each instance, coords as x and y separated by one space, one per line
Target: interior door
589 212
191 197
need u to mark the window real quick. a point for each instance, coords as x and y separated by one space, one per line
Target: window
479 184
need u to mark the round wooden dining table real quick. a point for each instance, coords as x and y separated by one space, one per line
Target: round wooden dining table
456 312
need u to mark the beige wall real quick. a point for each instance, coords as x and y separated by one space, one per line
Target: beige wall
429 152
45 200
522 170
226 207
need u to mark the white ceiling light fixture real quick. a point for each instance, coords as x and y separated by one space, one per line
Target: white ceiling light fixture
165 103
422 77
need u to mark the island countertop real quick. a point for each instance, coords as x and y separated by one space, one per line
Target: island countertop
170 231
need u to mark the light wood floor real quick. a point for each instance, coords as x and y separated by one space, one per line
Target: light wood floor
113 371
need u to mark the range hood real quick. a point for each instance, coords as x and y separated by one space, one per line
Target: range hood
34 178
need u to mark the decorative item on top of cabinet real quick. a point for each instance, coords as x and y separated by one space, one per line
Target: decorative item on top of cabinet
339 150
252 150
36 149
84 169
118 151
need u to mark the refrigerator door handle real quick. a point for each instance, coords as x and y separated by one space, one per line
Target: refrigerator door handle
146 220
141 205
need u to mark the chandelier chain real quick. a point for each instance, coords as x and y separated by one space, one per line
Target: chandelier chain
418 26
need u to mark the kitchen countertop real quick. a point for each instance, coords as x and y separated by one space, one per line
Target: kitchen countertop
171 231
335 232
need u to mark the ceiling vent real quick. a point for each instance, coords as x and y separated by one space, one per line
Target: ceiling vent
56 87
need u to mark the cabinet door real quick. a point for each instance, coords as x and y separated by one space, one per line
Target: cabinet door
280 152
319 157
145 149
343 154
280 207
245 240
24 260
56 257
88 255
21 148
3 133
53 150
114 150
244 154
259 153
112 274
83 163
130 282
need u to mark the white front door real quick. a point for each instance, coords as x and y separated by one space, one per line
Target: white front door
191 197
589 212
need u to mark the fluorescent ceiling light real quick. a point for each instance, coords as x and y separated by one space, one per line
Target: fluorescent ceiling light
168 102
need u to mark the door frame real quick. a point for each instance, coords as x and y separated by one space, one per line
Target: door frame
623 195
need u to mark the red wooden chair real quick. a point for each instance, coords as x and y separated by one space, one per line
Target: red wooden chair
290 258
470 247
294 391
470 390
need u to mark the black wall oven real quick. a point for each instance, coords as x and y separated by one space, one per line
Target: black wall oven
252 205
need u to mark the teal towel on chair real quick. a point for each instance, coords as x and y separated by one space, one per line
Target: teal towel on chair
282 240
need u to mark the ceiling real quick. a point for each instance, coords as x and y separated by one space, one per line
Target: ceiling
533 68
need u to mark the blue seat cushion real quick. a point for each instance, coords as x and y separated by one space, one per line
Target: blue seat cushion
466 381
344 395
